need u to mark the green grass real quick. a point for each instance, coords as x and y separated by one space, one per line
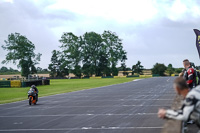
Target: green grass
58 86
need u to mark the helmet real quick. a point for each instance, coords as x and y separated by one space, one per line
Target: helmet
32 86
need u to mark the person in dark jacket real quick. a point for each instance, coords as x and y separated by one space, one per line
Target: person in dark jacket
190 109
189 74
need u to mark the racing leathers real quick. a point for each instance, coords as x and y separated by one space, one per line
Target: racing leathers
36 93
190 109
190 77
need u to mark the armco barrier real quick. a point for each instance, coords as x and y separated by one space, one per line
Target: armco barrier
107 76
132 76
99 77
119 76
155 75
35 82
4 84
18 83
173 126
30 83
145 76
45 82
85 77
15 83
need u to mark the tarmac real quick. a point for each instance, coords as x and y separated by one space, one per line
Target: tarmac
123 108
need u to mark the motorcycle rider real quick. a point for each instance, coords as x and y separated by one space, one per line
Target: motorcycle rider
189 74
190 109
34 87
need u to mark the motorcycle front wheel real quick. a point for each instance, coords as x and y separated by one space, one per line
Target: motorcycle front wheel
30 100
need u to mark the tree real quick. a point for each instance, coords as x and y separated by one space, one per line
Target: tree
123 65
114 50
92 53
159 69
137 68
39 69
58 66
92 47
4 69
178 70
170 70
103 66
71 50
21 52
45 70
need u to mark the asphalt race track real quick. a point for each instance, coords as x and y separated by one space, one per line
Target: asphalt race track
124 108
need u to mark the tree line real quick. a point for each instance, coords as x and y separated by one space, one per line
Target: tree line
86 55
162 70
89 54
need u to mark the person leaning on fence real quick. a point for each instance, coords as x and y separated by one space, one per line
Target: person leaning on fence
190 109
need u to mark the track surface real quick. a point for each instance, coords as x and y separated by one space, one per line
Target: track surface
124 108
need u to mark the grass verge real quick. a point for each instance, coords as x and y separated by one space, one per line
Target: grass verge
58 86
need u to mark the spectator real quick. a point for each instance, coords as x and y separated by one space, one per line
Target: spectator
190 109
189 74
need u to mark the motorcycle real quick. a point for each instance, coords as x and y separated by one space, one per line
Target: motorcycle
32 96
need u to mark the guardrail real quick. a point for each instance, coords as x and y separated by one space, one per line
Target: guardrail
4 84
15 83
146 76
174 126
18 83
129 76
120 76
98 77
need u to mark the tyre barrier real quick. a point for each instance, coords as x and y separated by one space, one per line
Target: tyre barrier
155 75
18 83
15 83
146 76
107 76
35 82
85 77
132 76
45 82
4 84
119 76
172 75
99 77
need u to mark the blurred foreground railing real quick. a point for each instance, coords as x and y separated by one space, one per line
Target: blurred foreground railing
173 126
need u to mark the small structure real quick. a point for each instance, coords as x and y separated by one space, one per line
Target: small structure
147 72
124 73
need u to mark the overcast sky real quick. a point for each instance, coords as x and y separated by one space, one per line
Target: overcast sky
152 31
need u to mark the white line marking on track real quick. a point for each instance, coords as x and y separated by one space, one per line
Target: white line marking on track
18 123
137 79
168 79
123 100
82 128
62 115
58 107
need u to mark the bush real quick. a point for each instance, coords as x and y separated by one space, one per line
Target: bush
159 69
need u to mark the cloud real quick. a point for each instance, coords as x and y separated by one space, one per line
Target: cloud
152 30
